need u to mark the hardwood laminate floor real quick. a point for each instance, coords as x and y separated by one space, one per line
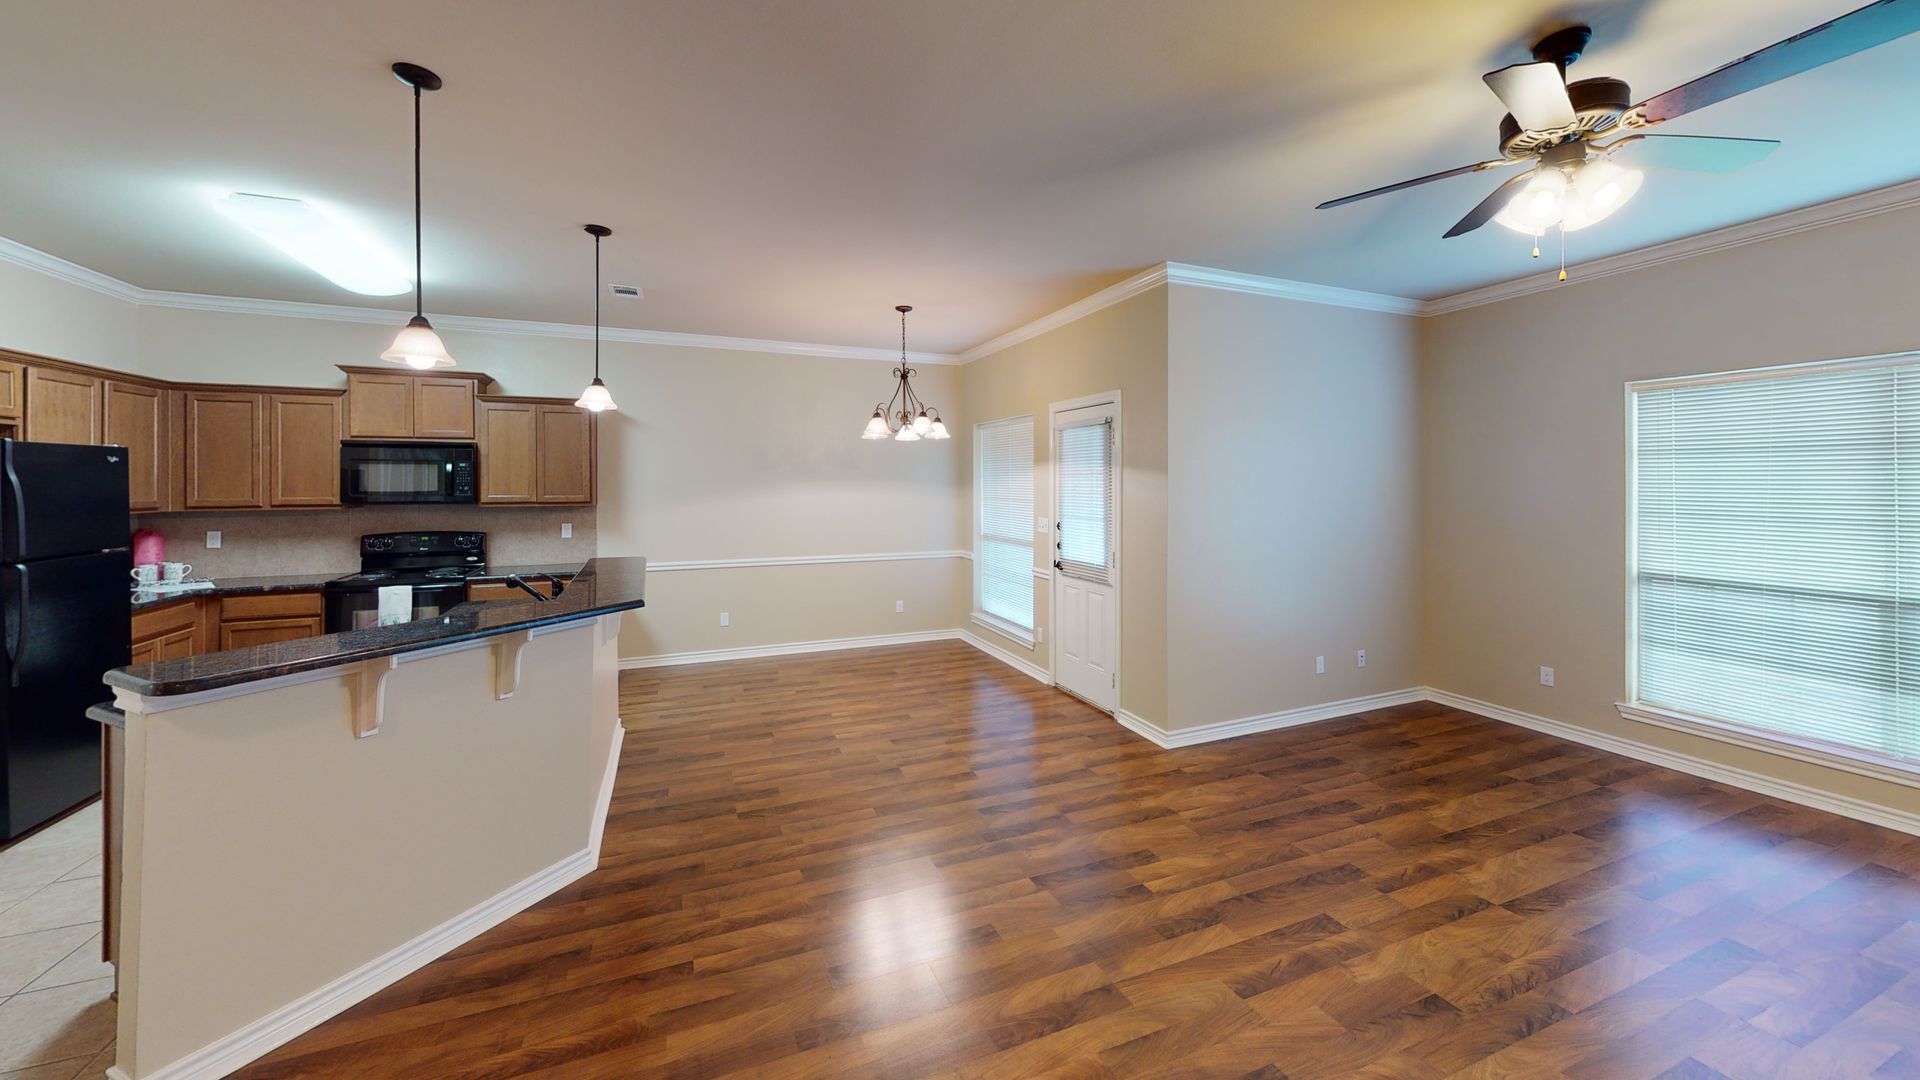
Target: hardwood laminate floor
917 862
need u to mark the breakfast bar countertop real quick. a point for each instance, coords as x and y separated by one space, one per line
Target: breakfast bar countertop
599 587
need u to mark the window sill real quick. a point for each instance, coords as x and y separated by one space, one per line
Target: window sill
1004 628
1866 763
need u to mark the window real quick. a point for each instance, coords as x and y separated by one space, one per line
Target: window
1003 545
1775 554
1085 470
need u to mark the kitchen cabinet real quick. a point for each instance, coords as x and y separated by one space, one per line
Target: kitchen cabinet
400 405
225 452
63 406
535 451
13 389
168 631
266 618
304 449
136 418
500 590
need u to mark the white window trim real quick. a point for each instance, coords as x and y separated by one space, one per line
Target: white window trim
994 622
1795 747
1860 762
1004 628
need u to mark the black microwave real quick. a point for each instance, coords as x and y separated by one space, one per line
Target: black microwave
407 472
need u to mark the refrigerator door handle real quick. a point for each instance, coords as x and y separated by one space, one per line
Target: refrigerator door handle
19 508
17 646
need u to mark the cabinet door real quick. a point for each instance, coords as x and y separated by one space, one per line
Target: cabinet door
145 652
380 406
63 407
136 418
226 459
175 646
565 454
507 438
13 395
442 407
305 448
251 632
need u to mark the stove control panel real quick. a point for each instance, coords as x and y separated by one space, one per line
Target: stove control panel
464 544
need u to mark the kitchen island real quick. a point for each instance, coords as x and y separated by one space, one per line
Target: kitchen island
295 825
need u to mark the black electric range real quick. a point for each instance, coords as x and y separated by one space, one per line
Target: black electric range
436 565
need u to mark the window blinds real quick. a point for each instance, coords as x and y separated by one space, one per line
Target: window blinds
1776 553
1085 468
1003 552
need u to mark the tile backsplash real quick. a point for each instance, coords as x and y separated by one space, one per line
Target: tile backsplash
258 543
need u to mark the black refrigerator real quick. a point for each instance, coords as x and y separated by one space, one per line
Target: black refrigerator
65 587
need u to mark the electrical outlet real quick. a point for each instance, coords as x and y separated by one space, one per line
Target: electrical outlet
1546 676
1319 665
899 607
213 539
723 618
566 530
1363 657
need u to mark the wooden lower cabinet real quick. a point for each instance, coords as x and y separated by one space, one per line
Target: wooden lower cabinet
169 631
500 590
266 618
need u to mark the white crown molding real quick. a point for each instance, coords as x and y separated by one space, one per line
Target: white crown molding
1305 291
29 258
1151 278
1851 208
804 560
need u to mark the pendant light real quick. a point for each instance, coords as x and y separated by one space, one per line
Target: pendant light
915 419
595 397
417 346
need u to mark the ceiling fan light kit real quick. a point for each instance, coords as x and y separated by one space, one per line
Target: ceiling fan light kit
1556 125
904 417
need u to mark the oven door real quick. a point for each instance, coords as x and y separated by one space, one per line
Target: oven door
358 607
406 472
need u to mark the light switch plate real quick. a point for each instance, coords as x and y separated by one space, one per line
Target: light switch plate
1041 525
213 539
566 530
723 618
1319 665
1546 676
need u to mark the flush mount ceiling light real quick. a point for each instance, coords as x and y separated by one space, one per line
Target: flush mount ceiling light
417 346
1556 126
904 417
595 397
326 244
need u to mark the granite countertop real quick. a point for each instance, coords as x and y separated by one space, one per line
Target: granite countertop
236 586
500 573
599 587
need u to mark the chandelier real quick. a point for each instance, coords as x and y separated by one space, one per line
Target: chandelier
904 417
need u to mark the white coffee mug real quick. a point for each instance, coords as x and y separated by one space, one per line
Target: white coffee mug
146 573
175 571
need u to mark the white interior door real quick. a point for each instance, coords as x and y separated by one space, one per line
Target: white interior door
1086 566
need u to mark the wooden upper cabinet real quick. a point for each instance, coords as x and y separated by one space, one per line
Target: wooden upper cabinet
226 443
442 407
304 448
564 454
508 436
13 389
380 406
64 406
136 418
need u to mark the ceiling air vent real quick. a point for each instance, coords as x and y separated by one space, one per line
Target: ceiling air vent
630 292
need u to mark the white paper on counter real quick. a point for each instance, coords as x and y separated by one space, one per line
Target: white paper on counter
396 605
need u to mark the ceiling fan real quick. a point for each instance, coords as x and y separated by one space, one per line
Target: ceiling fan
1556 126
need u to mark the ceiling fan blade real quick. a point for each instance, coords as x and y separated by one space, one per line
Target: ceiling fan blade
1536 95
1695 153
1490 206
1856 31
1416 182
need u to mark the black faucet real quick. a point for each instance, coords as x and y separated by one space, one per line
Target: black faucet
514 580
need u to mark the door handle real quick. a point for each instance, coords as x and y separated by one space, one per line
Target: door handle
1057 566
17 646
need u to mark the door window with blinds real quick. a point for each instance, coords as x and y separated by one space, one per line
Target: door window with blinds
1775 553
1003 545
1084 469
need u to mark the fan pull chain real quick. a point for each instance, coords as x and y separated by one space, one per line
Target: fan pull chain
1536 245
1563 253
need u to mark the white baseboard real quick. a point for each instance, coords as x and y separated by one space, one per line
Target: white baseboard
281 1026
1013 660
754 652
1252 725
1845 806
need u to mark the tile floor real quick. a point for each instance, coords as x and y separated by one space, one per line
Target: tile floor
56 1018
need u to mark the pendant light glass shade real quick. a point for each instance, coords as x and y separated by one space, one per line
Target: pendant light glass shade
938 430
595 398
906 434
877 427
418 347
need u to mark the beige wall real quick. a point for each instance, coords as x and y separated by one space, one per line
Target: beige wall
1124 348
44 315
1522 441
1291 529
